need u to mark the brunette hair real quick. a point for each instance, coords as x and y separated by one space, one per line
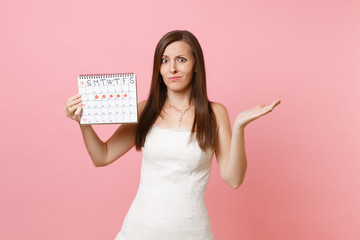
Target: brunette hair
204 124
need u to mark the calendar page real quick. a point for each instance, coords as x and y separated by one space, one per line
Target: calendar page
108 98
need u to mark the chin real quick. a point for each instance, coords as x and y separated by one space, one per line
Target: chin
179 88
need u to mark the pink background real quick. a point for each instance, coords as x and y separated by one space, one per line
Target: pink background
303 177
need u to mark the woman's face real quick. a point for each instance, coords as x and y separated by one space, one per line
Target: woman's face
177 66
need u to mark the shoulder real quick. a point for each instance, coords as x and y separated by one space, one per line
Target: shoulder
218 109
220 112
141 106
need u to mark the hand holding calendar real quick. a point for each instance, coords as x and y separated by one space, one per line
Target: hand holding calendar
73 107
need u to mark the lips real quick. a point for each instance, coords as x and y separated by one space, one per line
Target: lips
174 78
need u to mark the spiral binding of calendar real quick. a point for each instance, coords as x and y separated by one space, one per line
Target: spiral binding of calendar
102 75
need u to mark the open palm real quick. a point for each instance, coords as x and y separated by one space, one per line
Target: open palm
251 114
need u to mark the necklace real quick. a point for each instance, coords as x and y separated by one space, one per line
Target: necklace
181 112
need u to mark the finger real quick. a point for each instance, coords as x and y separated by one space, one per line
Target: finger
72 103
77 113
265 110
75 107
260 106
74 97
76 101
275 103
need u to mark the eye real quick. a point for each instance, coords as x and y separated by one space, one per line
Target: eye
164 60
181 59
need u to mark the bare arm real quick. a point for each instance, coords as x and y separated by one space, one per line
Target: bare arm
103 153
230 146
229 149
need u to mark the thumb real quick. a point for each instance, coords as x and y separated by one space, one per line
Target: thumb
77 113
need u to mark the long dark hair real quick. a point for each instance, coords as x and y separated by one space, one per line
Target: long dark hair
204 124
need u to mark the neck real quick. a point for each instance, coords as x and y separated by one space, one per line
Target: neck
179 100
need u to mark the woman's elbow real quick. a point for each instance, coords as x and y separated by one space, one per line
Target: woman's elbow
235 184
100 163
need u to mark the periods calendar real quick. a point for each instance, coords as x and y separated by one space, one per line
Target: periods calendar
108 98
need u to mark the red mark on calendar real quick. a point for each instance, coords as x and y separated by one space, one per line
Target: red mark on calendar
118 95
96 96
104 96
125 95
111 96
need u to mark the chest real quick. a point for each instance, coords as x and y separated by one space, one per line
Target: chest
173 148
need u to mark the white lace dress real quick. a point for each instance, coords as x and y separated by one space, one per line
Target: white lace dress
170 204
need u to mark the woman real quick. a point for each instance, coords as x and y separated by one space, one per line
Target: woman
178 131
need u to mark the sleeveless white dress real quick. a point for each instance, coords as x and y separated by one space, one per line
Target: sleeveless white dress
170 203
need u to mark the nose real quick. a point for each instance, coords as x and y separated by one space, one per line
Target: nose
173 68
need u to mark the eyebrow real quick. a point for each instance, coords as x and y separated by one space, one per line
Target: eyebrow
180 55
